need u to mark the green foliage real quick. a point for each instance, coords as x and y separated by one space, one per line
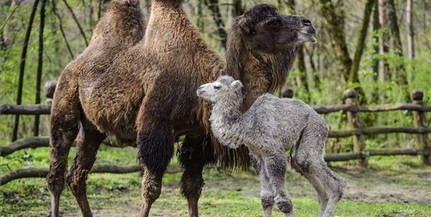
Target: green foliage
56 57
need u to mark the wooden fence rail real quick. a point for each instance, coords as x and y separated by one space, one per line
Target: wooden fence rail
7 109
358 133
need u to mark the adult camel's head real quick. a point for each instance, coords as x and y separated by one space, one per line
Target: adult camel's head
262 46
265 30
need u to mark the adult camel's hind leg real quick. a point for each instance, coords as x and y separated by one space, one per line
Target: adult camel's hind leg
87 144
194 153
308 160
64 127
267 192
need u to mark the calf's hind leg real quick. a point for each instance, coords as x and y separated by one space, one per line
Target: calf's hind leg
310 163
87 145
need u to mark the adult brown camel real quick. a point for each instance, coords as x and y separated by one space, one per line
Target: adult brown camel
145 97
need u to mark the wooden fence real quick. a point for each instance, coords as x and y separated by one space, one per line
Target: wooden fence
358 134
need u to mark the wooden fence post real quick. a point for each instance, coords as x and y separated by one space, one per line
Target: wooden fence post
353 119
287 93
420 121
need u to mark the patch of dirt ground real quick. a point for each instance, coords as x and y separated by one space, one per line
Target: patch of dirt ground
365 185
383 186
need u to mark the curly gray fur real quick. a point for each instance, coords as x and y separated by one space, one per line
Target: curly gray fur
269 128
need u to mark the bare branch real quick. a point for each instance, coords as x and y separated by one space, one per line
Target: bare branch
54 10
77 22
10 15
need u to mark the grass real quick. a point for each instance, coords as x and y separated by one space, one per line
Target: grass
392 186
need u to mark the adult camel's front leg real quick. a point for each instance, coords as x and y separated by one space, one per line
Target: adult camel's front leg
155 150
195 152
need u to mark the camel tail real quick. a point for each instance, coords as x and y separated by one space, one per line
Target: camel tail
156 146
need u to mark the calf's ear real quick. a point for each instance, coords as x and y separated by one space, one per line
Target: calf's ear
236 84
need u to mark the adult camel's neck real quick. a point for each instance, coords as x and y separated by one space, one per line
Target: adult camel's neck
259 72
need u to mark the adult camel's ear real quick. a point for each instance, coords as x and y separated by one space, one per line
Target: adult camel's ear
236 84
133 2
244 24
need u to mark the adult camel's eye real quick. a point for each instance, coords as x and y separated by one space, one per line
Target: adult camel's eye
275 24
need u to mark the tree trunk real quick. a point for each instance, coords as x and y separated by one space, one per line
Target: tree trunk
39 66
410 36
360 44
399 74
22 68
335 29
215 11
384 41
238 8
375 62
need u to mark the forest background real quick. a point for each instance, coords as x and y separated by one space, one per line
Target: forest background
379 47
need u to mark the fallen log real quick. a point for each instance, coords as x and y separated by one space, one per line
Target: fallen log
34 142
43 172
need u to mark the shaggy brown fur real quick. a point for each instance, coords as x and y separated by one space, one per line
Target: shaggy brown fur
145 97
